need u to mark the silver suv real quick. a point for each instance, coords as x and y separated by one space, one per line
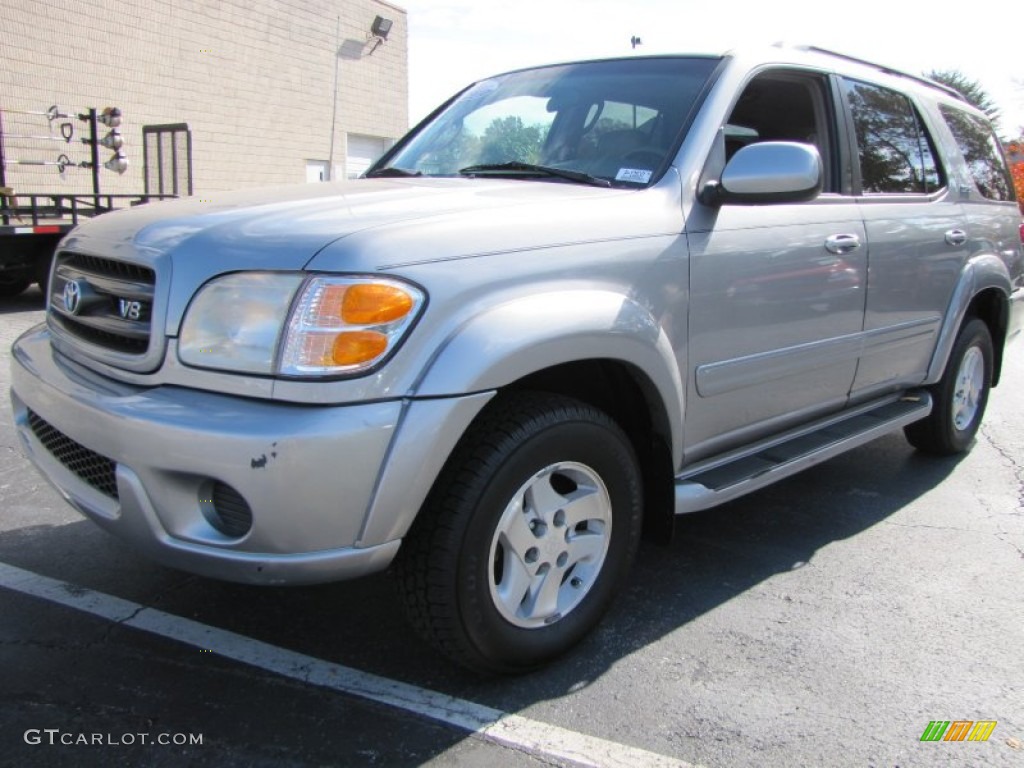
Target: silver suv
574 302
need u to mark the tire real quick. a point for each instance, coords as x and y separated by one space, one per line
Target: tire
960 396
41 272
529 532
12 285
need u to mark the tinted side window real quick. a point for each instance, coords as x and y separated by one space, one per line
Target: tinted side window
981 151
895 150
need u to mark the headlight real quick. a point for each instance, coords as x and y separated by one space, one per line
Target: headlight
336 326
235 322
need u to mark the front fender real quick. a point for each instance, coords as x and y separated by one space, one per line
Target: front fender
514 339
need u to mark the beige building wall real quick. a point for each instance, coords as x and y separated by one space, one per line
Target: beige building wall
252 79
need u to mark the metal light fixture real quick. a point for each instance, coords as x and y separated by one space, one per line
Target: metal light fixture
381 27
110 117
112 140
379 31
117 163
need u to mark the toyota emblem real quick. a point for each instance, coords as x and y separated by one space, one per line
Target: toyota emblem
72 296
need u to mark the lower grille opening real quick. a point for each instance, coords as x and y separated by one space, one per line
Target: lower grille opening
95 469
228 512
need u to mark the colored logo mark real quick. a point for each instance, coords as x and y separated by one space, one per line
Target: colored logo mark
958 730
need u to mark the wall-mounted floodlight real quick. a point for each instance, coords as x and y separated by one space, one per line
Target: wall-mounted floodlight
379 31
381 27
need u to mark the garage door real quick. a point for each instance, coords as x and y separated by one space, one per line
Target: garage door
362 152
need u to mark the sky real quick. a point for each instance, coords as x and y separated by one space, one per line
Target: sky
455 42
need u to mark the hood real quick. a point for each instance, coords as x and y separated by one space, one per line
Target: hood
366 225
283 228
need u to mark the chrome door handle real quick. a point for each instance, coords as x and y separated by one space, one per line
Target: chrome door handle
841 243
956 237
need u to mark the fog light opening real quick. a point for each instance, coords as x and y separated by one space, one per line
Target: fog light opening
225 509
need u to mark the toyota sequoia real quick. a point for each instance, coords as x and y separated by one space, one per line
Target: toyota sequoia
574 302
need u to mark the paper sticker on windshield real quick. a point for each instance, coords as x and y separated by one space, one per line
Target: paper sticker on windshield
635 175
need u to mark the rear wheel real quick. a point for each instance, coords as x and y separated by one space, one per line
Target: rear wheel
960 396
44 259
12 284
528 534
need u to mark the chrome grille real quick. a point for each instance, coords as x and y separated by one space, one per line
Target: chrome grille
98 471
103 302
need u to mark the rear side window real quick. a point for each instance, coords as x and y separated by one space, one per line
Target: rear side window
982 152
896 153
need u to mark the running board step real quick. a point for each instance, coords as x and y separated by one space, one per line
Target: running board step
725 478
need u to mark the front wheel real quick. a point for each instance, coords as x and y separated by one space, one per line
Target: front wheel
528 534
960 396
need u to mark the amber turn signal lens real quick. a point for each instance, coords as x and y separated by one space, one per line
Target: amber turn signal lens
358 347
374 303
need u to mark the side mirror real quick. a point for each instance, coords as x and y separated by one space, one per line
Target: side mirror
768 172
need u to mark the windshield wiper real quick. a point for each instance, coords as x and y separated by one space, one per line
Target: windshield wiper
527 170
392 172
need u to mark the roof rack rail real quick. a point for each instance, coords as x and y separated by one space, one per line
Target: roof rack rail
881 67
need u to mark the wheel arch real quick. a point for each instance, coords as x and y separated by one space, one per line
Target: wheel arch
992 307
632 400
541 337
983 291
599 347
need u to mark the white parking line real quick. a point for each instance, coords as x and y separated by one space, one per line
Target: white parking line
514 731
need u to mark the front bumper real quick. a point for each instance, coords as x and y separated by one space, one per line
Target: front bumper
307 474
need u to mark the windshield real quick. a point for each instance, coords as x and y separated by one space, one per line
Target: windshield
609 121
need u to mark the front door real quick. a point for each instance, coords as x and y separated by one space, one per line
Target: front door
777 291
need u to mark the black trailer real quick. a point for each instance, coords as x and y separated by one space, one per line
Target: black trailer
31 226
32 223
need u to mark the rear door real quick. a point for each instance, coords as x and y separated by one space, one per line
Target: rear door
989 205
916 237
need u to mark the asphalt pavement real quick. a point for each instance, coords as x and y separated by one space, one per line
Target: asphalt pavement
825 621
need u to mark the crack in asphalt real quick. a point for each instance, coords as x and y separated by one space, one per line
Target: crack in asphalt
50 645
152 604
1002 534
933 527
1011 459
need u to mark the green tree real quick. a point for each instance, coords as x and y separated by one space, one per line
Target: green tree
508 138
461 151
970 89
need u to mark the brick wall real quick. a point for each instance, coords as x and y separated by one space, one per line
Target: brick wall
251 78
